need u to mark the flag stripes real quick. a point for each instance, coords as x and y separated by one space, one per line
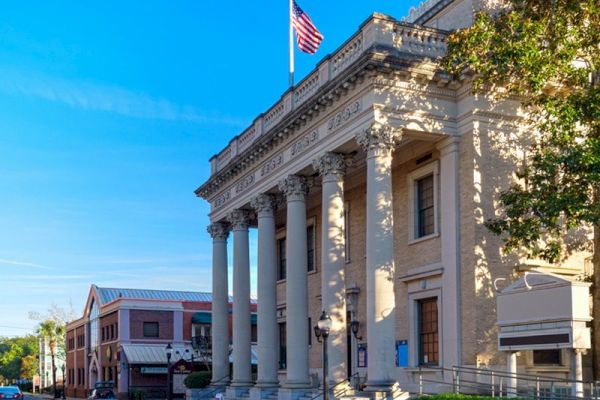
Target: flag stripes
308 36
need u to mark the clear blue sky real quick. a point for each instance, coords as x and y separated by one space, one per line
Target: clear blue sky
109 112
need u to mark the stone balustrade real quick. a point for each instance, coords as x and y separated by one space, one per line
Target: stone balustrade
379 30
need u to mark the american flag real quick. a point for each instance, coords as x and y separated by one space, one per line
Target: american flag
307 34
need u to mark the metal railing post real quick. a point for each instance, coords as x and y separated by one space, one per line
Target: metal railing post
537 388
454 380
493 388
552 389
500 387
420 382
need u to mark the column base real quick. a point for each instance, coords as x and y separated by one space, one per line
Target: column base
296 393
236 392
264 392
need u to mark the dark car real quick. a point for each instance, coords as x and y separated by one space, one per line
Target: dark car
103 390
10 392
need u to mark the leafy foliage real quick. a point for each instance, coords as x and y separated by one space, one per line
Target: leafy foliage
546 53
18 357
197 380
54 333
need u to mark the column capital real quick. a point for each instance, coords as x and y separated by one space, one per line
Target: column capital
239 219
294 187
378 137
330 164
263 204
448 145
218 230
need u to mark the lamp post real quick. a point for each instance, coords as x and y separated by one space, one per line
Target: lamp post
169 352
322 331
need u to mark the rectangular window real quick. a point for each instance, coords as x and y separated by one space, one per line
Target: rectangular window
428 331
281 259
112 331
546 357
310 247
151 329
102 330
253 333
347 233
282 346
116 330
425 209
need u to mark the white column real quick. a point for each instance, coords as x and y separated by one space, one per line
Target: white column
577 373
332 167
220 305
379 141
511 369
295 189
242 372
267 292
449 235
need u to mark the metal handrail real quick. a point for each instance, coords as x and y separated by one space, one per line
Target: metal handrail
519 374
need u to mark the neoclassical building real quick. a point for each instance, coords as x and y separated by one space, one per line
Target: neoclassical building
369 183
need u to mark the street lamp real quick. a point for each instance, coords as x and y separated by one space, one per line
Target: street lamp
322 331
354 325
169 352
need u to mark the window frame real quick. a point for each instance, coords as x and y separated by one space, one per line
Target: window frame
421 334
147 323
282 346
414 297
431 168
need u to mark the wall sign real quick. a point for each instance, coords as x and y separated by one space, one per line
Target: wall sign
362 355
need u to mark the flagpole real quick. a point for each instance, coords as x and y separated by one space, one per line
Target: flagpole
291 45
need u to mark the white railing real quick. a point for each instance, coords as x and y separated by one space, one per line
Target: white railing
379 30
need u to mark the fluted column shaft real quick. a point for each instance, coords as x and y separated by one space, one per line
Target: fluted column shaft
379 141
331 166
220 304
242 373
267 292
295 189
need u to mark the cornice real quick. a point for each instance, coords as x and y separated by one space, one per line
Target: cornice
374 63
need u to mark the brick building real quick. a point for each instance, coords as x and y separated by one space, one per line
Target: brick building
123 334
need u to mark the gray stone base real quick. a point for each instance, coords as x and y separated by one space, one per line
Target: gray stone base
264 393
237 392
293 393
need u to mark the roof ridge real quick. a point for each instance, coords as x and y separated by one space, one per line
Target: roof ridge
154 290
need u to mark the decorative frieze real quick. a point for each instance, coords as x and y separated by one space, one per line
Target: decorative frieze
239 219
343 116
263 203
222 199
330 164
294 187
378 137
271 165
244 184
218 230
304 143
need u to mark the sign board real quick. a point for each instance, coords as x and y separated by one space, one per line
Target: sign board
153 370
362 355
402 353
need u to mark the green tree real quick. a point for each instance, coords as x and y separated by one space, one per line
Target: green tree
546 52
53 332
18 357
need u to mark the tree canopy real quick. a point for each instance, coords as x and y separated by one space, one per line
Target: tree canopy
18 357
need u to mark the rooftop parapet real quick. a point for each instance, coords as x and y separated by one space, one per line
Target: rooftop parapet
379 31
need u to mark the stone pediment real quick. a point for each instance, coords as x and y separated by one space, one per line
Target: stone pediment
536 280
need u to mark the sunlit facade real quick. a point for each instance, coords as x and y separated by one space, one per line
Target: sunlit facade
369 183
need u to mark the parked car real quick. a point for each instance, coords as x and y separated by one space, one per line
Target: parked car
103 390
10 392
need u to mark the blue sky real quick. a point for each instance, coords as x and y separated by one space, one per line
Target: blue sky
109 112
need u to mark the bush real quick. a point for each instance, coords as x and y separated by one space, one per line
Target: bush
137 394
197 380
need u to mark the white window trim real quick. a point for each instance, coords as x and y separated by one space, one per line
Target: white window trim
413 177
413 317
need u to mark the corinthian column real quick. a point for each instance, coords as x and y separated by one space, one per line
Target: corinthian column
267 292
242 373
331 167
295 189
378 141
220 304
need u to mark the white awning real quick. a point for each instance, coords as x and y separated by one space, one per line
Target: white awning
153 353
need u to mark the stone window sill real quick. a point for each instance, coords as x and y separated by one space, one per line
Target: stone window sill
424 238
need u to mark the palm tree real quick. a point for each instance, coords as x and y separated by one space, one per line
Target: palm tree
54 334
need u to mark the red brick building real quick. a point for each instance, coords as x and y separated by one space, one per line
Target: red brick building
122 337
